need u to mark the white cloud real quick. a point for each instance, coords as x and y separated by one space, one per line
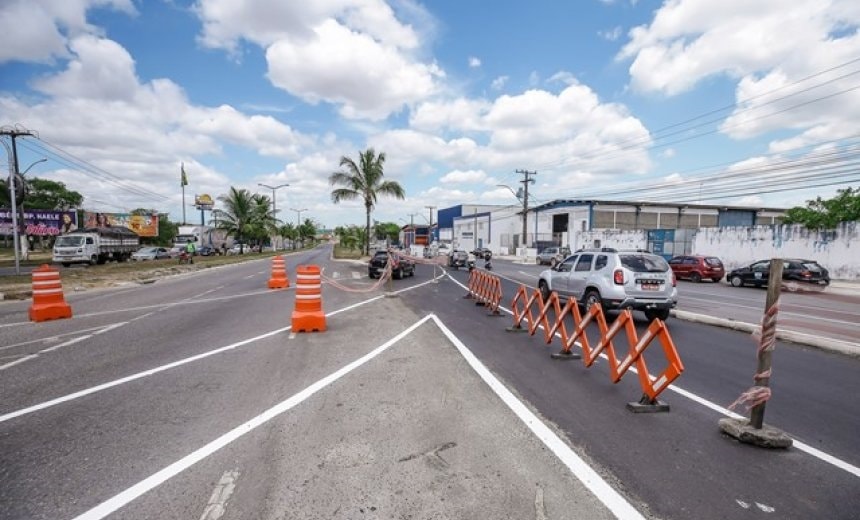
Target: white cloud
749 200
534 78
474 62
36 31
499 83
355 54
563 77
668 153
612 34
463 177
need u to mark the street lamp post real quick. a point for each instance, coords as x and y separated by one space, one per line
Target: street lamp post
299 221
274 206
13 197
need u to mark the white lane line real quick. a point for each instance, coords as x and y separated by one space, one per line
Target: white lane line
65 344
13 363
251 276
121 499
781 312
49 339
162 368
604 492
217 505
815 452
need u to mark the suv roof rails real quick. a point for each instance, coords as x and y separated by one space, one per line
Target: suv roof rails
597 249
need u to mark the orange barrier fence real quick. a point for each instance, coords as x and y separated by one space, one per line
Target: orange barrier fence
48 300
486 290
533 309
308 315
279 278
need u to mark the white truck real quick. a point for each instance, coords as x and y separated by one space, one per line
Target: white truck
201 236
95 246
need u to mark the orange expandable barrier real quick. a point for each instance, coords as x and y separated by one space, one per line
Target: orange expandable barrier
308 315
48 300
279 278
486 290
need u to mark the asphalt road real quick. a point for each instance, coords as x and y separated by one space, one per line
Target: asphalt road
191 398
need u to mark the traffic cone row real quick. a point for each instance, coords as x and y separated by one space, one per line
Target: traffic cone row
279 278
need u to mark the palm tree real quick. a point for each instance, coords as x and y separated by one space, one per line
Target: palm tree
290 232
364 181
237 217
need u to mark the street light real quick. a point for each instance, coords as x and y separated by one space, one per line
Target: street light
299 221
274 206
13 196
525 208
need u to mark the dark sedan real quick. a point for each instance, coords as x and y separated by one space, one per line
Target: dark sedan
401 265
794 269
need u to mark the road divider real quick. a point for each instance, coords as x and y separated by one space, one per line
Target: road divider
48 300
486 290
553 318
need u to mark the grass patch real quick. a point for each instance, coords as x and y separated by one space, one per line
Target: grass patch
346 253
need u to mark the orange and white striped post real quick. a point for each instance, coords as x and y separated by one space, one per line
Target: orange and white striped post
279 278
48 300
308 315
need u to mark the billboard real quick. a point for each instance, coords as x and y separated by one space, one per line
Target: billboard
38 222
143 225
204 202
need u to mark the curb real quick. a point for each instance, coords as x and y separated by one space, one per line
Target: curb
831 345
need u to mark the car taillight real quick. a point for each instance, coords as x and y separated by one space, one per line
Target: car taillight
674 280
806 274
618 277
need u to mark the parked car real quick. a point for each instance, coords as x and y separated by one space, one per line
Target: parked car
458 258
794 269
150 253
239 249
402 266
697 268
207 251
634 280
443 250
552 255
483 253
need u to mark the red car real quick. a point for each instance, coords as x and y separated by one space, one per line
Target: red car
697 268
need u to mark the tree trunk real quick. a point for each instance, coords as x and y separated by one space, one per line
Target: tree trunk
367 231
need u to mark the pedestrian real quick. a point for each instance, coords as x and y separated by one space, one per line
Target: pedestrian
190 250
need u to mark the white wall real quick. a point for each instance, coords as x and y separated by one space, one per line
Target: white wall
614 238
741 245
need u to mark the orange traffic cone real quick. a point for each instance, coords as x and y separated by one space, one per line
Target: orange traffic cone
279 278
48 300
308 315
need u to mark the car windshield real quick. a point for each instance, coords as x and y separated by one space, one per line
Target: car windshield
644 263
69 241
715 262
146 250
812 266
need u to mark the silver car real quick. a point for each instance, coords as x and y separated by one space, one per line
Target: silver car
617 279
552 255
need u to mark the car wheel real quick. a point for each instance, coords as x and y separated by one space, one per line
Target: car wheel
737 281
652 314
695 277
94 260
591 297
398 274
66 264
544 290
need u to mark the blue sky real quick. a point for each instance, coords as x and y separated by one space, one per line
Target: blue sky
597 96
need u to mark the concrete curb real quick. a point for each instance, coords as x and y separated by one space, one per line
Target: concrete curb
831 345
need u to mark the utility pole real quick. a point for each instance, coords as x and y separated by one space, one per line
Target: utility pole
274 207
17 205
430 238
526 180
412 228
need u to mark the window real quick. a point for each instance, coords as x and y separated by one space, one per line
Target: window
584 263
567 264
690 261
90 240
601 262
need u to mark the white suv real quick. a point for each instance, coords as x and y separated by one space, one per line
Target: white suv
636 280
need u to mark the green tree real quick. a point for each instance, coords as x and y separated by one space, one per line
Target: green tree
827 213
388 230
364 181
237 217
307 231
262 223
43 194
289 232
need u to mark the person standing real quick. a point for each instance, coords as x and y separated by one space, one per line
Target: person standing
190 250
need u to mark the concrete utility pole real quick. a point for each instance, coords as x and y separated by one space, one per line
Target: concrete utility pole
526 180
430 238
412 228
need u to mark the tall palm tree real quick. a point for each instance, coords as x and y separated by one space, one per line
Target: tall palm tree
237 217
364 181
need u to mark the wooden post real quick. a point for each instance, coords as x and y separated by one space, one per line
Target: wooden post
774 283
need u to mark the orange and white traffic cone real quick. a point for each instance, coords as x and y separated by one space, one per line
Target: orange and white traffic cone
308 315
48 300
279 278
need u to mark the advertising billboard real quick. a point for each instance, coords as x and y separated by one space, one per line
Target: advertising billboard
204 202
40 222
143 225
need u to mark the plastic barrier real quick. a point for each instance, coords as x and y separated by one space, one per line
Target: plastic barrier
279 278
308 315
534 311
486 290
48 300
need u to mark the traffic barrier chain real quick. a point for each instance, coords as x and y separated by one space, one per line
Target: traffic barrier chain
279 278
486 290
533 309
48 300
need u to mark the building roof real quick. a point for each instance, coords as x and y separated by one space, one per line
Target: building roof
557 203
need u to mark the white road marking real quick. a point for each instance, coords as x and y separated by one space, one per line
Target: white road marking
781 312
742 504
356 275
765 508
120 500
604 492
292 335
65 344
217 505
49 339
251 276
13 363
815 452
